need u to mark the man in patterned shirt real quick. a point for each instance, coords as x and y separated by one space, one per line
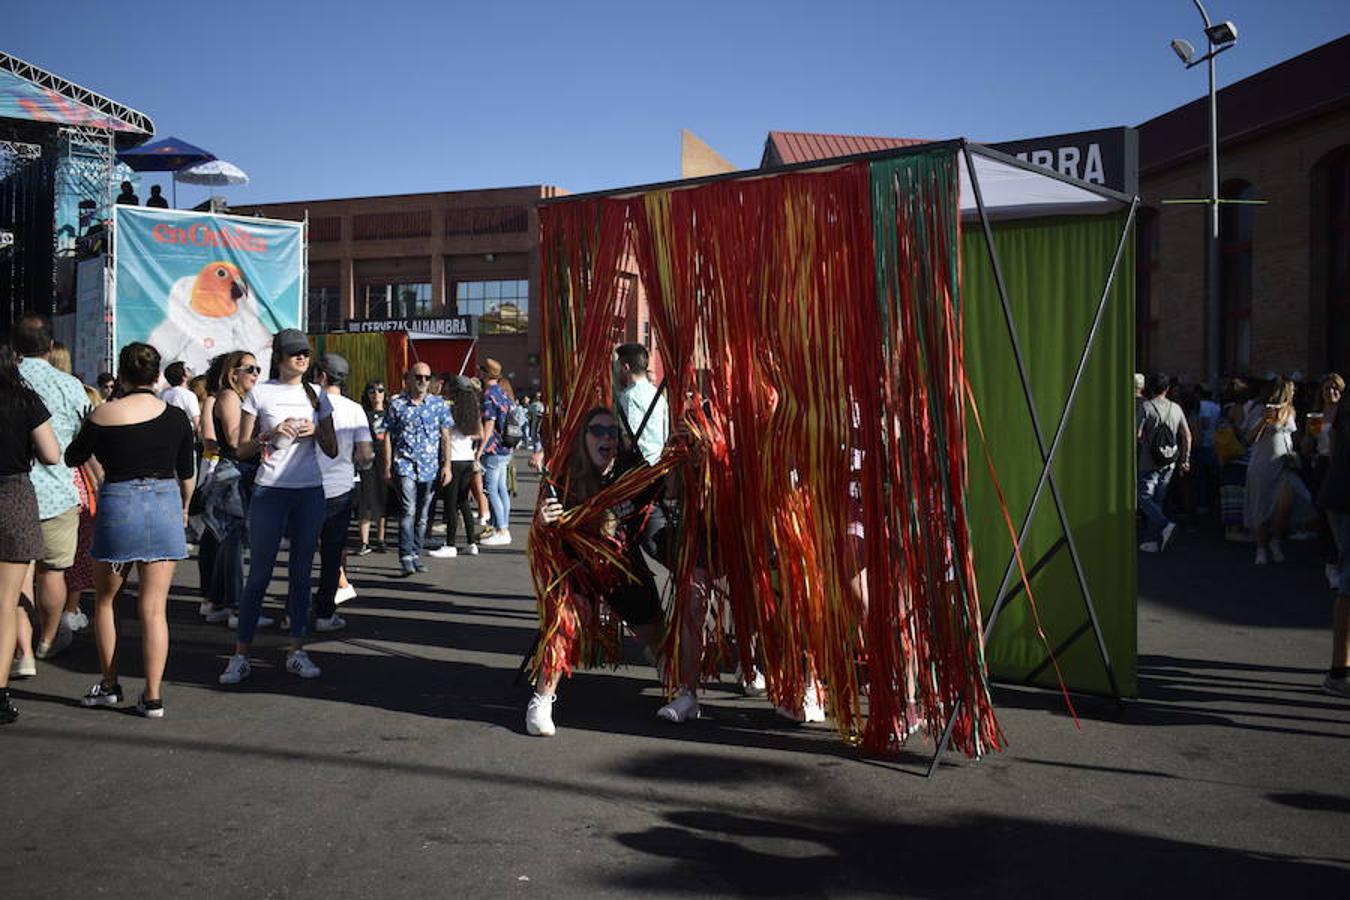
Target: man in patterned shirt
58 501
416 452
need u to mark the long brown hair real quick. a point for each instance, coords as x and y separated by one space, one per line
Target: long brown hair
583 479
466 408
232 361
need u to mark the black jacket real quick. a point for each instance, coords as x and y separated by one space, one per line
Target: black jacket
1335 493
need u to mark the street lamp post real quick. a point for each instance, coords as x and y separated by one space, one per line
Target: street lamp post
1220 37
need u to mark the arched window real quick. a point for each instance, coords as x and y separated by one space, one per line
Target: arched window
1337 230
1145 265
1236 226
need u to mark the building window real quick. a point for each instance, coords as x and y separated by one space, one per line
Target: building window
325 308
502 307
1236 225
397 301
1338 261
1145 265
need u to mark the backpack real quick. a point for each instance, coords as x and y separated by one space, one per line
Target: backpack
513 423
1161 441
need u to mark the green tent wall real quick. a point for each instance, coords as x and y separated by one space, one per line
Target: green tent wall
1055 269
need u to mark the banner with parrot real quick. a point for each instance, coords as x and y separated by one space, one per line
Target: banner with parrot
195 285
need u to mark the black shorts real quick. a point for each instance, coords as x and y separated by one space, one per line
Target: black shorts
637 603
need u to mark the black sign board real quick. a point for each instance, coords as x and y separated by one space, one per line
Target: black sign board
443 326
1109 157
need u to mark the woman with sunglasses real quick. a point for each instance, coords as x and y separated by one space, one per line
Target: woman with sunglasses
287 422
224 501
591 468
372 494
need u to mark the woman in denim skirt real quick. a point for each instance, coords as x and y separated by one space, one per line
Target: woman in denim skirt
146 449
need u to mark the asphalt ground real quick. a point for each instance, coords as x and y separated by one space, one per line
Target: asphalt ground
405 771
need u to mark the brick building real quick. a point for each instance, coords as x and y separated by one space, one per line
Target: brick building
1284 137
451 253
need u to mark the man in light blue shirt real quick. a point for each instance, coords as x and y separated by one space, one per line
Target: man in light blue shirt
636 396
58 500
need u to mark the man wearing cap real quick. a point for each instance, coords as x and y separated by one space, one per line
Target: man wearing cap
493 454
355 453
416 451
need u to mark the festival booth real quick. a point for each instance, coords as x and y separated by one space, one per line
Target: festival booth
907 370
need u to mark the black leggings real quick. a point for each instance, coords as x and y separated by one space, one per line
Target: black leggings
457 497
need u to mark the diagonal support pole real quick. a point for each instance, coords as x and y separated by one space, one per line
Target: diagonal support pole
1047 455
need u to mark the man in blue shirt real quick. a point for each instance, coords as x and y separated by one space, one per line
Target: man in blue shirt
416 451
493 454
58 501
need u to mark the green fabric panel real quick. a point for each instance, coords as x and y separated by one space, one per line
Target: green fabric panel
1055 269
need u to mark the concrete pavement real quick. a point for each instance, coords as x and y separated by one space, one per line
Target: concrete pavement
404 770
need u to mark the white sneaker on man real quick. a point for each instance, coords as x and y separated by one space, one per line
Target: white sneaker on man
330 623
539 716
299 663
497 539
236 670
445 551
755 687
472 550
344 593
681 709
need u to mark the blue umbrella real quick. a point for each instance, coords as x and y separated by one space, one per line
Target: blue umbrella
167 155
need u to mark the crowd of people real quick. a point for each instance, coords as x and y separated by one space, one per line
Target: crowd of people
98 481
1269 457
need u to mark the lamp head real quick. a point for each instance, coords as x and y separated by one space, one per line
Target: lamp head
1184 50
1223 33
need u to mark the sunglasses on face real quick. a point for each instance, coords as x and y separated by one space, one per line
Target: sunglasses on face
304 353
421 378
249 370
375 390
603 431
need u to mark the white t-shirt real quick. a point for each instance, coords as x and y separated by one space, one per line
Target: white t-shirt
296 465
183 398
461 447
349 421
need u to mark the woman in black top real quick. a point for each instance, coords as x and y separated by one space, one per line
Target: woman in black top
372 492
146 449
25 433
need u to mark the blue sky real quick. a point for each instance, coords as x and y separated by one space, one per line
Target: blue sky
337 99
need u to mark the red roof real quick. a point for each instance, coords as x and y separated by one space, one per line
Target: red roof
787 147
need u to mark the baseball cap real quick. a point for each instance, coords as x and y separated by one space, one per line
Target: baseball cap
288 341
334 366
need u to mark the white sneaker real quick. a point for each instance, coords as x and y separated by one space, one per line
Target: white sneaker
443 552
1333 573
263 621
539 716
206 607
75 621
344 594
1149 547
1276 551
299 663
682 708
497 539
755 687
331 623
214 616
64 638
1261 556
472 550
23 667
236 670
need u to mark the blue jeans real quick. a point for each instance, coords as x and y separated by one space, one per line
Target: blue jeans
1340 532
494 485
1152 496
332 540
298 514
412 521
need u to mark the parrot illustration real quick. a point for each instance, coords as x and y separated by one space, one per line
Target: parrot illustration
210 313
